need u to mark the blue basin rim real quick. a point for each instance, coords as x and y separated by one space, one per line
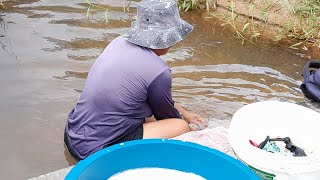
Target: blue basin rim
172 154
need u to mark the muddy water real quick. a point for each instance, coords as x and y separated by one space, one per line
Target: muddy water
47 48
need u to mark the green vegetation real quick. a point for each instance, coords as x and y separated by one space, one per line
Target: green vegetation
93 7
1 5
306 25
230 19
301 26
185 5
241 27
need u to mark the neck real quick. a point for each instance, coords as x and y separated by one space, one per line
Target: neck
157 51
160 52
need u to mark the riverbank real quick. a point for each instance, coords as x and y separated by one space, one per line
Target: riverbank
294 24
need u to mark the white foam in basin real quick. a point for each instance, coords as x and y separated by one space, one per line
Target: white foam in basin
155 174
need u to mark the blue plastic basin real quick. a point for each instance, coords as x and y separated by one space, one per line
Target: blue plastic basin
171 154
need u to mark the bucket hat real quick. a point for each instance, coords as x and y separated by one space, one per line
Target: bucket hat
158 25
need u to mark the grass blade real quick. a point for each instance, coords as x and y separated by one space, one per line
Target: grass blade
296 44
245 27
88 11
106 16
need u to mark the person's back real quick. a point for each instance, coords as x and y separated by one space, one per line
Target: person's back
114 100
129 83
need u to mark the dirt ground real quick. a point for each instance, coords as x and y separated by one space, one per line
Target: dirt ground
267 17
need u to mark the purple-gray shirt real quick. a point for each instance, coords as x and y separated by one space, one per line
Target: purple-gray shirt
126 84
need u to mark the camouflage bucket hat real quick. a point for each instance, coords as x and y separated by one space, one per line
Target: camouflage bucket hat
158 25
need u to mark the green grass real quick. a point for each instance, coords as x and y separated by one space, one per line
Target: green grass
302 29
92 7
306 29
186 5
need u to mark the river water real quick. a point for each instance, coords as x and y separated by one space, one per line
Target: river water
47 48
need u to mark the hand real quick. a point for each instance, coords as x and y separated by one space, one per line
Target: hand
193 118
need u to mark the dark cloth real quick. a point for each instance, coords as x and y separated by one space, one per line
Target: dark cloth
297 151
134 135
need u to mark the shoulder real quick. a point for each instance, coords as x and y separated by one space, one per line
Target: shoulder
118 41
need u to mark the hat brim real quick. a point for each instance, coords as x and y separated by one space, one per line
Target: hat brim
158 37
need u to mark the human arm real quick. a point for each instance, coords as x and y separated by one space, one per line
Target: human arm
162 105
191 117
160 98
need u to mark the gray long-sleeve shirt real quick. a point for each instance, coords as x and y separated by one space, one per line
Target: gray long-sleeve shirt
126 84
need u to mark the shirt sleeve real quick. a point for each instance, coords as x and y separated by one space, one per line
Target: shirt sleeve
160 98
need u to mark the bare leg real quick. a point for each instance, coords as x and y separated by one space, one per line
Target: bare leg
166 128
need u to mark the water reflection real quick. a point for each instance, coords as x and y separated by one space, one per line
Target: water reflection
5 41
81 58
81 75
76 44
